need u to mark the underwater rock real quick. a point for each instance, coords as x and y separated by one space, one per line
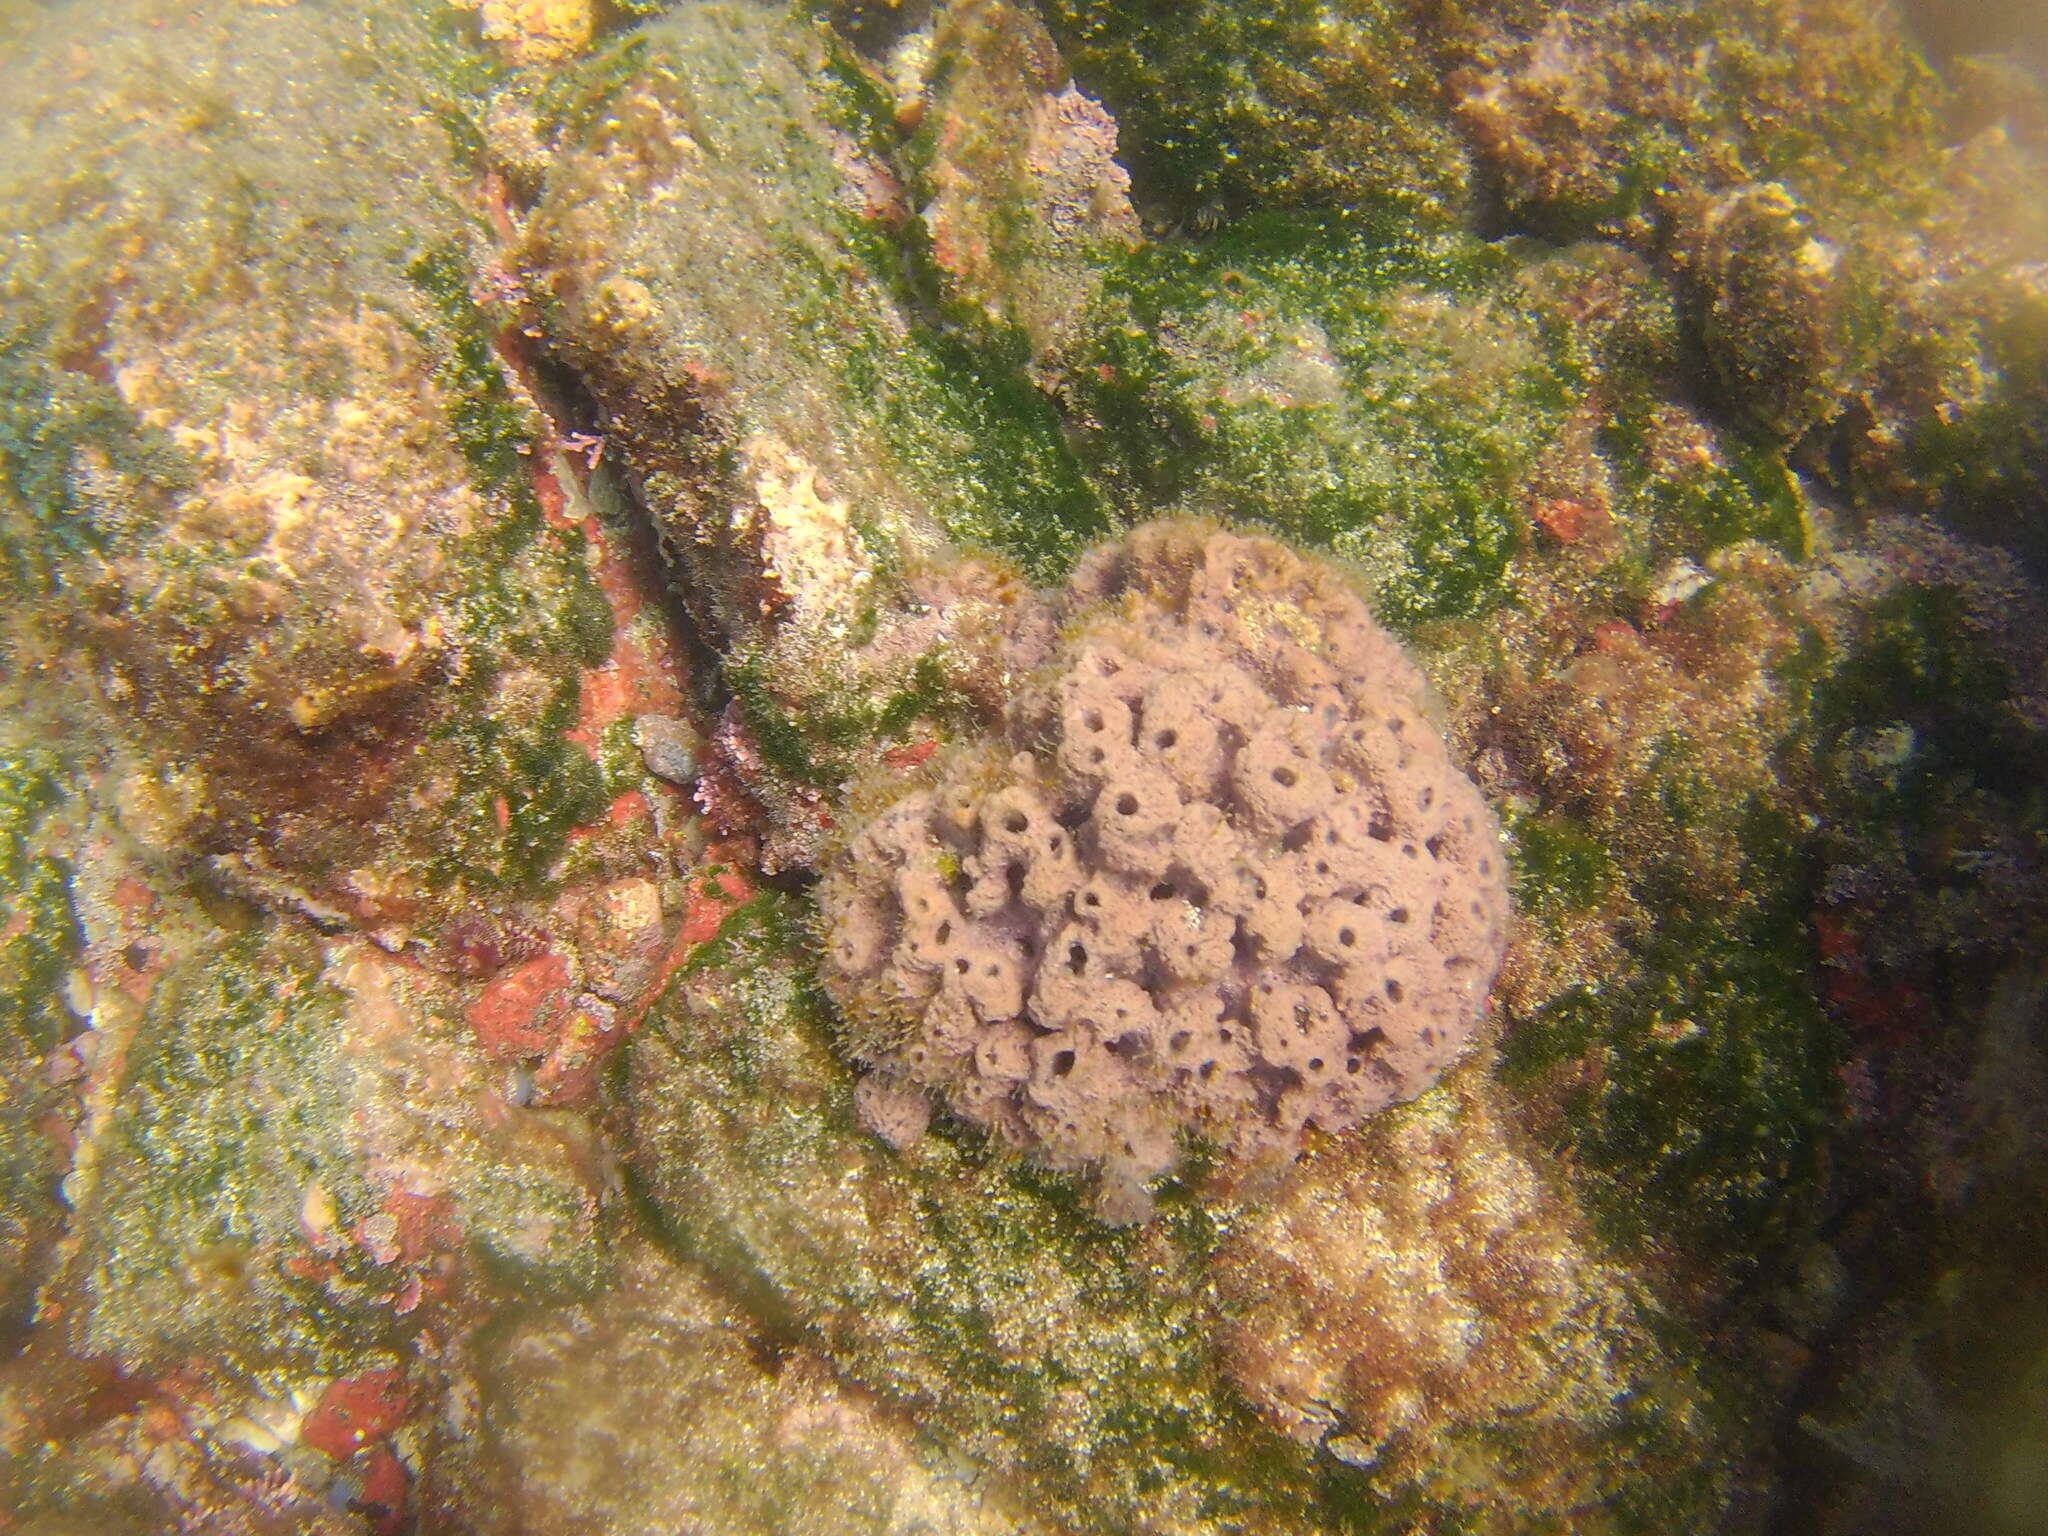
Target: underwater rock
804 490
669 746
1025 206
915 1273
375 1006
1425 1306
660 1407
266 490
295 1149
1810 157
1897 323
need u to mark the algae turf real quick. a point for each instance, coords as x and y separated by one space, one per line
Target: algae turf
39 942
1358 387
60 427
1227 107
238 1101
1699 1099
1849 258
1070 1356
1559 867
1815 96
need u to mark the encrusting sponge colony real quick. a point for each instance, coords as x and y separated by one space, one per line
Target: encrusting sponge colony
1217 873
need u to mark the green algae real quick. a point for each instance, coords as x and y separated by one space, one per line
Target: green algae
407 601
1382 396
864 420
527 599
523 786
960 1279
1560 868
41 939
494 435
1699 1097
750 1431
621 765
927 697
39 942
1747 494
242 1113
39 932
991 452
1226 107
783 744
62 429
238 1102
31 783
958 1250
837 729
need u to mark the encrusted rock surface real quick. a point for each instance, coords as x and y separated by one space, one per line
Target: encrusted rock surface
1218 874
288 505
1426 1286
417 1114
661 1408
803 490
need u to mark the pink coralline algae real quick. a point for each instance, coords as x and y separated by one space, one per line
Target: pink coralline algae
1216 875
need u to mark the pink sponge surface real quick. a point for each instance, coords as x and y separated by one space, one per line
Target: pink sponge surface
1218 875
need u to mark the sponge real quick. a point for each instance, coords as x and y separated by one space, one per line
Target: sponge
1216 875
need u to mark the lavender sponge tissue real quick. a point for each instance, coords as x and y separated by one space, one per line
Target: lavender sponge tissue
1216 874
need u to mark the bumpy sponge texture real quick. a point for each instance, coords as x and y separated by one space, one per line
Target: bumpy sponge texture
1217 874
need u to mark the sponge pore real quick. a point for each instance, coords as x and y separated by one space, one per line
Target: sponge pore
1217 874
